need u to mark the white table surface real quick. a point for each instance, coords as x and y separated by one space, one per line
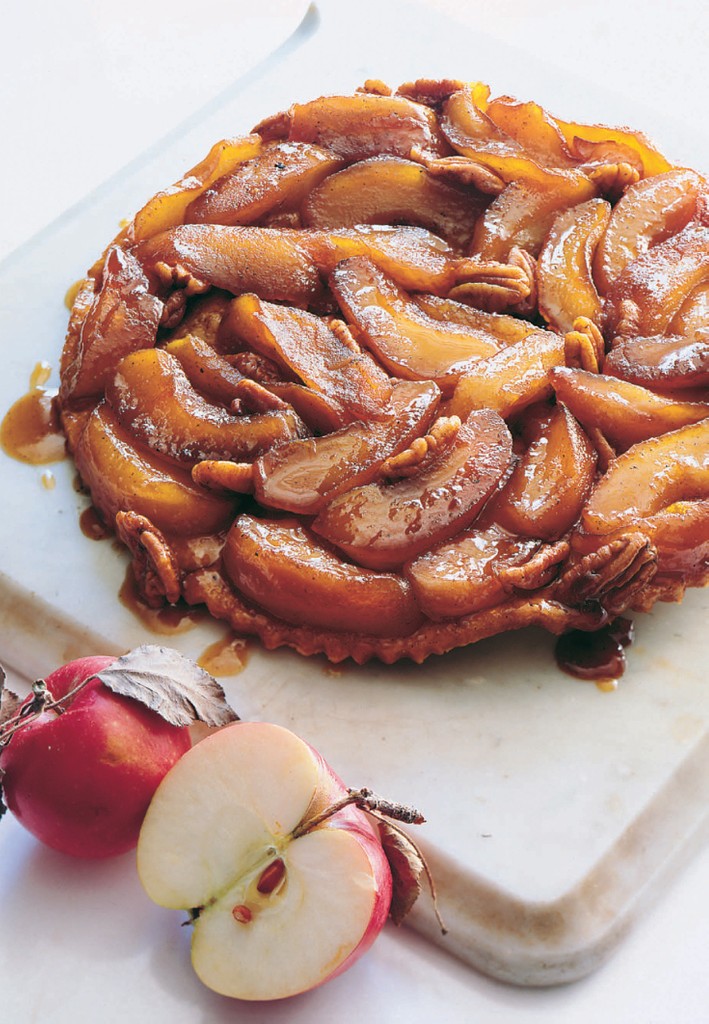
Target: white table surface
151 65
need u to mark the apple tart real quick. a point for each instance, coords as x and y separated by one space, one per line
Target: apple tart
402 370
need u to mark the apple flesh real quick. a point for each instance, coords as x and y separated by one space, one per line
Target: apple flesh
81 780
278 909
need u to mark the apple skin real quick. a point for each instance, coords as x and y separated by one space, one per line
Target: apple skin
81 781
220 819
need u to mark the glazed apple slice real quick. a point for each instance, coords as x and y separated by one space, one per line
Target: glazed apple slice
235 259
564 278
661 363
278 906
507 330
390 190
383 525
550 483
153 399
359 126
167 208
512 379
302 476
657 284
649 477
650 211
461 577
280 566
122 476
474 134
520 216
624 413
277 179
323 358
122 316
406 341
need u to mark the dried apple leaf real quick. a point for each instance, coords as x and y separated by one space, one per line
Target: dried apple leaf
406 865
169 683
9 701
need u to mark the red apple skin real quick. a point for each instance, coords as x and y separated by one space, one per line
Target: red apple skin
352 819
81 781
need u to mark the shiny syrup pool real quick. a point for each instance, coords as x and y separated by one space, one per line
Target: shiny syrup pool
597 657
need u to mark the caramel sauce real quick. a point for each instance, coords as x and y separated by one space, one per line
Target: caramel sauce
92 525
166 620
597 657
30 430
226 657
71 293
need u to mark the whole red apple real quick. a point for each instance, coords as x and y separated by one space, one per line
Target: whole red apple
81 779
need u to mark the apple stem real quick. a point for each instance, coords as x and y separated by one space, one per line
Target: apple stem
42 700
366 800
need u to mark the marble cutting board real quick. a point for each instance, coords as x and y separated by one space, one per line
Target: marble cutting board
555 811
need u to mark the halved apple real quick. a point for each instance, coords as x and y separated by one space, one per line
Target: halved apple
277 907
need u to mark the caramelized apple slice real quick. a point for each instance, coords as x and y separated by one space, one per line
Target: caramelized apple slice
316 352
414 257
652 289
624 413
122 476
651 210
359 126
661 363
207 370
237 259
304 475
389 190
122 317
649 477
548 486
532 128
383 525
680 534
520 216
512 379
507 330
461 577
406 341
275 180
564 278
280 566
154 400
582 139
167 209
474 134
